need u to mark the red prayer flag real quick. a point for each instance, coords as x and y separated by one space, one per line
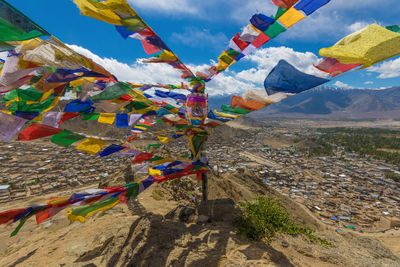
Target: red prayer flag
36 131
43 215
67 116
334 67
8 216
149 48
241 44
142 157
260 40
284 3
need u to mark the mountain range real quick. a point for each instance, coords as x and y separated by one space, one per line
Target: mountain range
333 103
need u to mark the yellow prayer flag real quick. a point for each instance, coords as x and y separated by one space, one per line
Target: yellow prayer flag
80 81
154 172
55 102
226 115
110 11
38 117
108 118
58 200
141 127
369 46
164 140
91 145
168 56
291 17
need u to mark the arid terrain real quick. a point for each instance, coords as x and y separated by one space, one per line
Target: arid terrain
164 227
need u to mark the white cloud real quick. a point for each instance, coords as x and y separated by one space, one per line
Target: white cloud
369 82
181 6
225 83
342 85
356 26
388 69
136 72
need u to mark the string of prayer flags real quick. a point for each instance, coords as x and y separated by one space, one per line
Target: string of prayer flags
130 24
91 202
262 29
39 72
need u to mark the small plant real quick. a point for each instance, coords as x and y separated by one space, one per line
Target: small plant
157 195
263 218
394 176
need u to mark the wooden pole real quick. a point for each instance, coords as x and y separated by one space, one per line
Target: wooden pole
204 180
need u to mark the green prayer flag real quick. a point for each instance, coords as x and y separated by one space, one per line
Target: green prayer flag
280 12
15 26
169 107
90 116
21 223
36 107
274 30
66 138
86 210
137 105
394 28
155 158
30 94
133 191
155 146
233 53
197 141
112 92
237 110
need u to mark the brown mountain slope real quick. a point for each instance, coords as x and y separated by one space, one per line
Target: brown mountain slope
150 232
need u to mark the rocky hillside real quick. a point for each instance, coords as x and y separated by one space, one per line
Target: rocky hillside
161 229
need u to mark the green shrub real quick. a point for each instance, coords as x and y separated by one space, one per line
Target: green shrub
394 176
263 218
157 195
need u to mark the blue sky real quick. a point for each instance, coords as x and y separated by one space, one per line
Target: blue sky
198 31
